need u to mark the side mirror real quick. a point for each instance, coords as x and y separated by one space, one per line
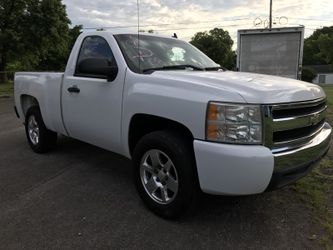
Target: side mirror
98 68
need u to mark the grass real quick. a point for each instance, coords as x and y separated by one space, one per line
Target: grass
315 189
6 89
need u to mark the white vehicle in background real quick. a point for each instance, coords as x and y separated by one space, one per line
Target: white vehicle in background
186 124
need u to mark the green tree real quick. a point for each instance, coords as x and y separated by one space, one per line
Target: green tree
217 44
34 34
50 34
11 19
325 42
315 48
74 33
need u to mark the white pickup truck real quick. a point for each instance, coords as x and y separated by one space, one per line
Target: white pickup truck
185 123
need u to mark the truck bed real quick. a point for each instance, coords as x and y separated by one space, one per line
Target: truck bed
44 87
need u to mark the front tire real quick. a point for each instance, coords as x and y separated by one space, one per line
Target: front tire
165 173
40 139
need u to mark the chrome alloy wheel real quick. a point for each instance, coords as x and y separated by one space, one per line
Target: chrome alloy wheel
33 130
159 176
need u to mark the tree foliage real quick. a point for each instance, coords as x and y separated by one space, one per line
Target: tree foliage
34 35
325 42
318 48
217 44
11 31
73 34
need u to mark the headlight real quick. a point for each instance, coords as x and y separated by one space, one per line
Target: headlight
234 123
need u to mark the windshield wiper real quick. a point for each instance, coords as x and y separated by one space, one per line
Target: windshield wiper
170 67
215 68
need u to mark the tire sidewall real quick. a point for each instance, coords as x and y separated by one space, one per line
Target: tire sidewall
183 161
46 138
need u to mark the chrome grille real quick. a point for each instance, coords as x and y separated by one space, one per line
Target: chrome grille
292 125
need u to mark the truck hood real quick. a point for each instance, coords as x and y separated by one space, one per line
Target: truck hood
254 88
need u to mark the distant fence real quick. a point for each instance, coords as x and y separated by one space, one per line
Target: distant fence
8 75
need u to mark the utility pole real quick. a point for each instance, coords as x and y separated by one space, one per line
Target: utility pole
270 14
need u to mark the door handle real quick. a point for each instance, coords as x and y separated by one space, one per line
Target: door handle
73 89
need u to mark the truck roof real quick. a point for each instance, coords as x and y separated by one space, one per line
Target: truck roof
123 32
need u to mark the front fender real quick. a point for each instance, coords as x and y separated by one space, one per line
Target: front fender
177 101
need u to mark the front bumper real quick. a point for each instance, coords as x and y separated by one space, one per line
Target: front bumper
249 169
294 164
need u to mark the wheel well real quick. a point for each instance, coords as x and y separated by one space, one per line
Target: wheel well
142 124
28 101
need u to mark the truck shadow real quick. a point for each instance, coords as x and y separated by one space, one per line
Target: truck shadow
261 221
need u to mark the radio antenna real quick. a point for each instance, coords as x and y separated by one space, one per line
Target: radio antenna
138 9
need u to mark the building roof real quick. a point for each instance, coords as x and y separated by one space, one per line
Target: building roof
320 68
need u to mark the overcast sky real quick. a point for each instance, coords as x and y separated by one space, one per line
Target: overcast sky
186 17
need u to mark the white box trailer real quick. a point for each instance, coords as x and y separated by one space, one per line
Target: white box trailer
277 51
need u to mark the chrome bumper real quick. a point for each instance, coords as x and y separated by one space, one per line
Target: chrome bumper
294 164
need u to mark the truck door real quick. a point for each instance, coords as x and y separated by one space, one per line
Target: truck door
91 104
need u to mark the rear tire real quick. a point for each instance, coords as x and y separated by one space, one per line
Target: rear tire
165 173
40 139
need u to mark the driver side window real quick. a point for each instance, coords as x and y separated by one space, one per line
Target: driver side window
94 47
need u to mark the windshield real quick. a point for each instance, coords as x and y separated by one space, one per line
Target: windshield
158 53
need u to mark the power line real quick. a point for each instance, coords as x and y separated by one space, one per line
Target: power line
219 25
206 27
168 24
297 18
310 29
311 19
